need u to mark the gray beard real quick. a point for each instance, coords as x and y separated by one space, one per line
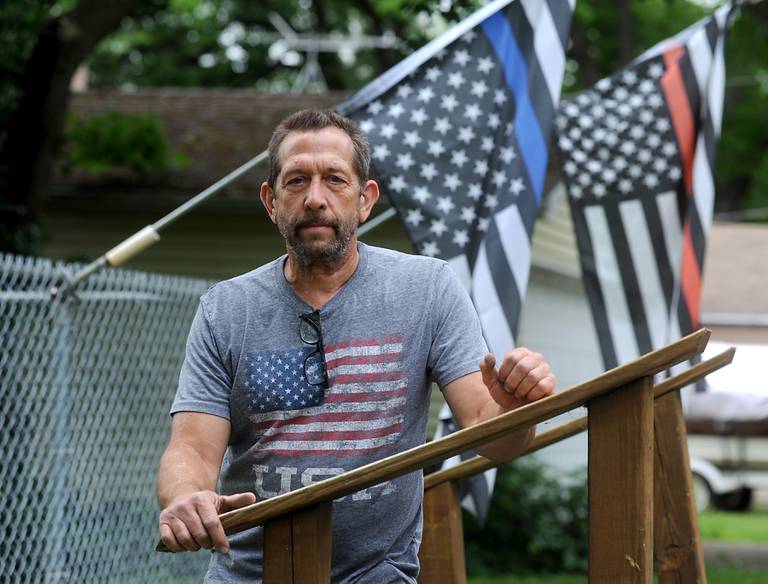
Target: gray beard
329 256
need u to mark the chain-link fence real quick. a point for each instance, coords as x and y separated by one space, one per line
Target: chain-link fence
85 386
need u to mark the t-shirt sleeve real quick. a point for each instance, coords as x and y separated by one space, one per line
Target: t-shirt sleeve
458 345
204 382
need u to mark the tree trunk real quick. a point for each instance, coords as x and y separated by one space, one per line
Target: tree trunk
36 128
589 71
626 32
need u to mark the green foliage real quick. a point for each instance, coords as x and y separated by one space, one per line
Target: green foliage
535 524
651 21
119 140
225 42
742 163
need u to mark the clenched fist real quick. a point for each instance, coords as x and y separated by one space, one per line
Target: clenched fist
524 377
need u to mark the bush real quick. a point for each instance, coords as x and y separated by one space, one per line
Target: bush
535 524
119 140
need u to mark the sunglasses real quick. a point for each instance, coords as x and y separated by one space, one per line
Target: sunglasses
310 332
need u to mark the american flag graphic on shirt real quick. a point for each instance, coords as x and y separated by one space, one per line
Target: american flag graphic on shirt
361 411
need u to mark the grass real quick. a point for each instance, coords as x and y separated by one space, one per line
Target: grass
750 526
714 576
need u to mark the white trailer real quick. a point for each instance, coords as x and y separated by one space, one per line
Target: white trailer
728 430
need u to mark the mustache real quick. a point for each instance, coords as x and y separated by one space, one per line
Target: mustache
313 220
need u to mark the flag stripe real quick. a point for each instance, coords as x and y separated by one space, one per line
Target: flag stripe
328 447
362 397
644 263
592 286
679 109
658 238
672 227
363 359
679 88
516 245
460 265
306 433
704 187
550 63
706 145
367 377
366 346
354 421
629 277
684 315
560 11
373 388
496 329
690 276
717 75
507 290
700 53
364 365
613 291
331 406
332 449
521 24
698 237
533 147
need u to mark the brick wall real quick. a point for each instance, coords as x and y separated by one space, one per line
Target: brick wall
216 129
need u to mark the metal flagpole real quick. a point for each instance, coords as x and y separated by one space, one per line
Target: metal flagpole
376 221
150 234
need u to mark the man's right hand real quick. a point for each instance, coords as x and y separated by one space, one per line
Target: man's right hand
191 521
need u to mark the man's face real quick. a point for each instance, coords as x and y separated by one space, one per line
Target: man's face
318 200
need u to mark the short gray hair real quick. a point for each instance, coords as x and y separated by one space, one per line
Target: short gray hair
314 120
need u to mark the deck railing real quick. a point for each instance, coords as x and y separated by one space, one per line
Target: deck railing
677 549
297 525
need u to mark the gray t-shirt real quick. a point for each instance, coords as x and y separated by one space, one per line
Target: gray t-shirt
399 323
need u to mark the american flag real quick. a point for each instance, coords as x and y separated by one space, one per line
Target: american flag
474 494
638 152
459 133
361 411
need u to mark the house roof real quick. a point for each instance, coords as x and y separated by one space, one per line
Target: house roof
216 130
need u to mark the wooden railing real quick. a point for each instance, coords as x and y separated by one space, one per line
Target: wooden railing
297 525
677 549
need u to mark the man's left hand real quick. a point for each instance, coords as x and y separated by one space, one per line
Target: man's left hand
524 377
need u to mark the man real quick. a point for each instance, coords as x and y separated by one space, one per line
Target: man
322 361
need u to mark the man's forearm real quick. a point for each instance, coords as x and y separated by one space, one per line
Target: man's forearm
509 446
183 471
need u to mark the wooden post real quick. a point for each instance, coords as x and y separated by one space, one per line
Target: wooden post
441 554
621 485
676 540
297 546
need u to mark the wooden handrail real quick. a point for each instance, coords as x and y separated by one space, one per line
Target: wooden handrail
463 440
695 373
478 464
